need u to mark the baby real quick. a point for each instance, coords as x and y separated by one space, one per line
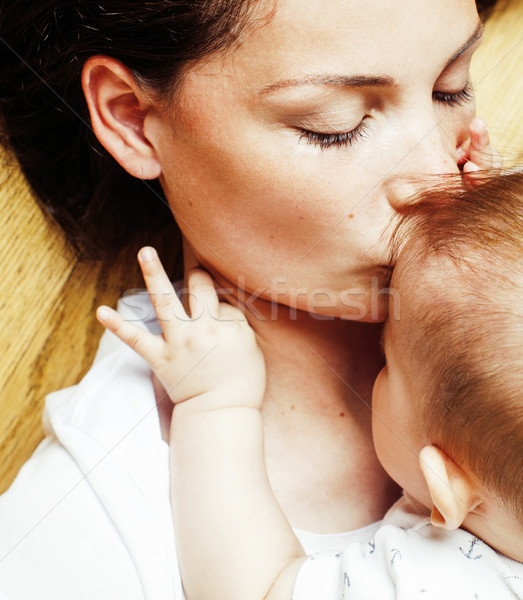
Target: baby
447 421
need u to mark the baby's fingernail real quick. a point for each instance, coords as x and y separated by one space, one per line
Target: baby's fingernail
470 168
102 313
478 124
147 254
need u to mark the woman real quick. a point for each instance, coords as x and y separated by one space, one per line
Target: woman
284 136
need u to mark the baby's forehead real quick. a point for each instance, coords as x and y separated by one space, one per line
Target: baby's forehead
425 288
439 291
420 277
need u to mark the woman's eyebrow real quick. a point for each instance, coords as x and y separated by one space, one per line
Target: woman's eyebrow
337 80
476 35
362 80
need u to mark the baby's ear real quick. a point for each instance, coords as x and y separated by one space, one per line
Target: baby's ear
453 493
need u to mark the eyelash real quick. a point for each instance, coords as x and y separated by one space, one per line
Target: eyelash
455 98
340 140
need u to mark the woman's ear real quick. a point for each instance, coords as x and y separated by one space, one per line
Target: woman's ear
118 111
452 491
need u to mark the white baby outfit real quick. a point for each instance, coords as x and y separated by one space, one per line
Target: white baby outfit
88 516
410 559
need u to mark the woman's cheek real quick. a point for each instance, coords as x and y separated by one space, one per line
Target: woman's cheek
281 218
296 263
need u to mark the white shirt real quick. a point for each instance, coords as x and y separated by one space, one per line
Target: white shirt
410 559
89 515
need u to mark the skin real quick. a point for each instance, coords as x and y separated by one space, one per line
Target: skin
307 218
265 209
397 420
214 372
447 487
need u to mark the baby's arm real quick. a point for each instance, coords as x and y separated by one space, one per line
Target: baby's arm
233 539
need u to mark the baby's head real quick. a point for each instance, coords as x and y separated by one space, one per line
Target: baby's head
448 407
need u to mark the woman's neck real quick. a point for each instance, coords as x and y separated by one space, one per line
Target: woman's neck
305 354
317 420
304 351
317 415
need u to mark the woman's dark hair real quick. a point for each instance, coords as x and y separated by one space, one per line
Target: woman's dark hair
485 7
44 116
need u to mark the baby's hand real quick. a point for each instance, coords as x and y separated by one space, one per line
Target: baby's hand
476 154
210 357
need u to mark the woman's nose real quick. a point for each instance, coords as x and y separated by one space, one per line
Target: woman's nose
429 154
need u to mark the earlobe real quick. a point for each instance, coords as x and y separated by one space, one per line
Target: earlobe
118 111
452 491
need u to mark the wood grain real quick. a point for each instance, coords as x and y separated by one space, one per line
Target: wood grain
48 333
497 75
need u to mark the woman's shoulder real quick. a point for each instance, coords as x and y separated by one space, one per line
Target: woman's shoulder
95 494
54 532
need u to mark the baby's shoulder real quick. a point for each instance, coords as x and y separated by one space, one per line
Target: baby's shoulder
455 562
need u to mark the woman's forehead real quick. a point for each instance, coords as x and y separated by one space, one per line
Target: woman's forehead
377 37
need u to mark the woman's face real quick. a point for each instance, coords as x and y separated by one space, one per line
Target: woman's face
281 159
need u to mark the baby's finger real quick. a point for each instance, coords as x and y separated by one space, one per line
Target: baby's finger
203 300
472 173
147 345
462 153
167 306
231 313
481 152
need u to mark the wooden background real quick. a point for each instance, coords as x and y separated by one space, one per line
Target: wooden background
48 333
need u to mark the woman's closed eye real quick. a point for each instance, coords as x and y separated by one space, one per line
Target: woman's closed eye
334 139
340 139
455 98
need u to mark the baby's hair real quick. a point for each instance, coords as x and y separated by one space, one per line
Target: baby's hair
467 244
